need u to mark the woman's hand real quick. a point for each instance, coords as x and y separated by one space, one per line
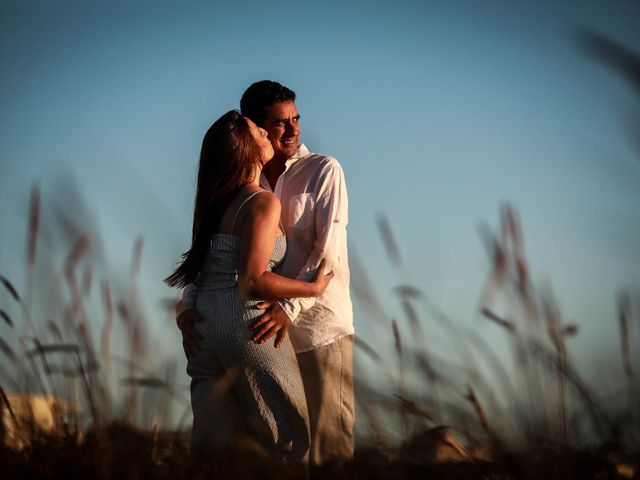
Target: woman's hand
320 280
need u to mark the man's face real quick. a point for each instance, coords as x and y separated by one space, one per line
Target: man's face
281 122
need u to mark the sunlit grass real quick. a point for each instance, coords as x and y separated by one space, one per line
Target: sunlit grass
73 407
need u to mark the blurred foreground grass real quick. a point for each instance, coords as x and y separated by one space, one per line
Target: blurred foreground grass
75 405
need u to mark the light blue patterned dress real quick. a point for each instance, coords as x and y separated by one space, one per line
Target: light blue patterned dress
239 389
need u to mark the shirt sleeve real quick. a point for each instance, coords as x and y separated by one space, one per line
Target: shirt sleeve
189 296
330 217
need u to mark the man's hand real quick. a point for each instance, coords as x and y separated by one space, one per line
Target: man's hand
190 336
274 321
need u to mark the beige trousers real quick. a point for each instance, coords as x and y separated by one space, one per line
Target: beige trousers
327 375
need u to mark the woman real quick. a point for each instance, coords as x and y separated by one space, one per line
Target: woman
240 389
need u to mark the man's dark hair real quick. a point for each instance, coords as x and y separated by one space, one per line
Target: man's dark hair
261 95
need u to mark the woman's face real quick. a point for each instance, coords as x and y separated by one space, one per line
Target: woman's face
264 144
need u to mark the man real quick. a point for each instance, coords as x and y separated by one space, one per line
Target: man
312 191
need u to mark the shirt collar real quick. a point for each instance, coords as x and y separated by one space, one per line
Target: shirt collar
302 151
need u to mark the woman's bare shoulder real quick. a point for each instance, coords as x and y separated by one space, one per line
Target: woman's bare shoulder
265 203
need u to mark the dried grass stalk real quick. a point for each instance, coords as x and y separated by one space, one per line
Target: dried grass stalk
8 351
44 349
86 281
363 289
56 332
150 382
408 406
137 257
506 324
10 288
124 313
624 312
78 251
389 240
84 332
396 337
7 319
34 223
105 338
500 264
7 403
412 316
570 330
366 348
471 396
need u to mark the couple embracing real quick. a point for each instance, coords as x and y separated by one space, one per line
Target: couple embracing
266 316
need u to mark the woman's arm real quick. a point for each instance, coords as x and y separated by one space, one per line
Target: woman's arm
257 240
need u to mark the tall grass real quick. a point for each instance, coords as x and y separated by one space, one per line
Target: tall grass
473 413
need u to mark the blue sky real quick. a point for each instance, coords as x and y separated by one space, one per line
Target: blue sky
438 112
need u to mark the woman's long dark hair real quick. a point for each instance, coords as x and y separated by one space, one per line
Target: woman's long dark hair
227 162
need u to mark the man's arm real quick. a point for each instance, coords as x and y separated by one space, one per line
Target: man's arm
331 217
186 317
189 297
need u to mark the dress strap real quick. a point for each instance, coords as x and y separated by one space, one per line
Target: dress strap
240 207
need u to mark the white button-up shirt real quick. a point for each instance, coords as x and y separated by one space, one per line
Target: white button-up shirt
314 201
